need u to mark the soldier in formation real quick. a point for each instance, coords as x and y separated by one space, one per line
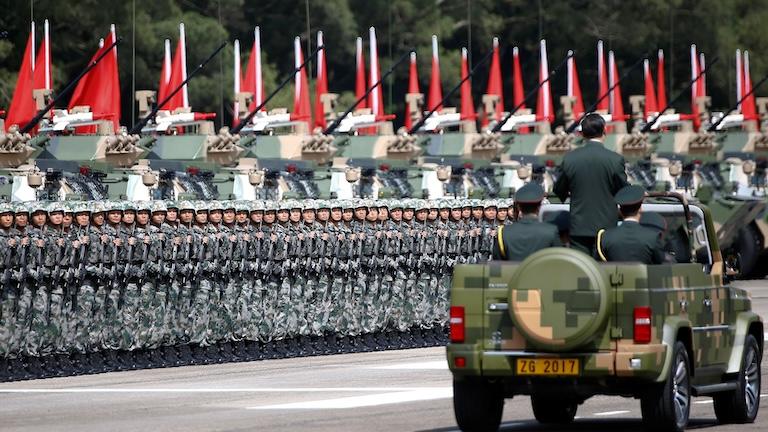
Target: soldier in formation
210 279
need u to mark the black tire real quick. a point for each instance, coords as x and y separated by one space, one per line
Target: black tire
478 405
668 406
741 405
553 410
748 248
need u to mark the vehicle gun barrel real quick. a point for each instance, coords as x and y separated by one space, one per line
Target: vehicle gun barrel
592 107
714 126
530 94
36 119
349 110
143 122
650 124
423 120
284 83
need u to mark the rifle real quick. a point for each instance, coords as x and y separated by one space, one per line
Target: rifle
143 122
40 114
423 120
647 127
349 110
285 82
592 107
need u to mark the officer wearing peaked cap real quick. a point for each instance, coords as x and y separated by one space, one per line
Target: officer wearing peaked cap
630 241
526 236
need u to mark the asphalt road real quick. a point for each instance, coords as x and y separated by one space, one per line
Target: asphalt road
389 391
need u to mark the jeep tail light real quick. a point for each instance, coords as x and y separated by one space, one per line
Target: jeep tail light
457 324
642 320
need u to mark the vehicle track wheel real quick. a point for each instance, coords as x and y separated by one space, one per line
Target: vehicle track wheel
668 406
553 410
741 405
478 405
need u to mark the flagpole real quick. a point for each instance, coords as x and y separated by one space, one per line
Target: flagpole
28 127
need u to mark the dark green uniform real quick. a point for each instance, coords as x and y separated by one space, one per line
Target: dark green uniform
527 235
591 175
630 241
523 238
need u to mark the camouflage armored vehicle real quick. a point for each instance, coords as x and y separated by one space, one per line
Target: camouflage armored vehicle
658 333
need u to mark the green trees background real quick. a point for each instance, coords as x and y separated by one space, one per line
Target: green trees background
631 28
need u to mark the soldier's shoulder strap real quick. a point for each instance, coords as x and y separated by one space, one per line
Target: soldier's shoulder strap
500 241
599 245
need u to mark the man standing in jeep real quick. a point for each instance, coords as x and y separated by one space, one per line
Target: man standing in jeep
591 176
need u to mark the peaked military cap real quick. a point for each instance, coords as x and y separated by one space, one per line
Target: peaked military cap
629 195
653 220
531 193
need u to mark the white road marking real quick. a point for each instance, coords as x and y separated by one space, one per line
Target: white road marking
224 390
432 365
611 413
703 402
365 401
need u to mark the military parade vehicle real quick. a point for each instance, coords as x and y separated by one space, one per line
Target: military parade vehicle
562 327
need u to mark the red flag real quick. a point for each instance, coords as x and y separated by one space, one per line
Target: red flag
696 88
321 86
100 87
467 105
165 72
253 82
376 98
360 83
574 88
518 94
494 84
650 91
544 109
617 104
22 107
435 86
302 110
748 107
661 98
602 79
178 75
413 87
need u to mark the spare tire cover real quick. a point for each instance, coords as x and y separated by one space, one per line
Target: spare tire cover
558 299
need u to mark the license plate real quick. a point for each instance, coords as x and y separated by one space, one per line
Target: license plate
546 367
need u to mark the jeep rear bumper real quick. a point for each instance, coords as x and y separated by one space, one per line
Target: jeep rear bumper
635 362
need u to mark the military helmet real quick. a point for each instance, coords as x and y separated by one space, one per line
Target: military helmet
201 206
98 207
335 204
490 204
144 206
80 207
360 203
56 206
242 206
6 208
228 205
457 204
322 204
421 204
21 207
171 204
270 205
215 205
38 206
409 204
159 206
309 205
186 205
396 204
129 206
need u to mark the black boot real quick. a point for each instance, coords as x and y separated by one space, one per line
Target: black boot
17 371
185 355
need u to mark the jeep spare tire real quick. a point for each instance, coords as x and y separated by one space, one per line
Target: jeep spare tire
558 299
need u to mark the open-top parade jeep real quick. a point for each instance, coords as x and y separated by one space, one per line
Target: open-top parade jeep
561 327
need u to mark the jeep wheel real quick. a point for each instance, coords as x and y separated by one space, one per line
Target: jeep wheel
667 407
553 410
477 405
741 405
